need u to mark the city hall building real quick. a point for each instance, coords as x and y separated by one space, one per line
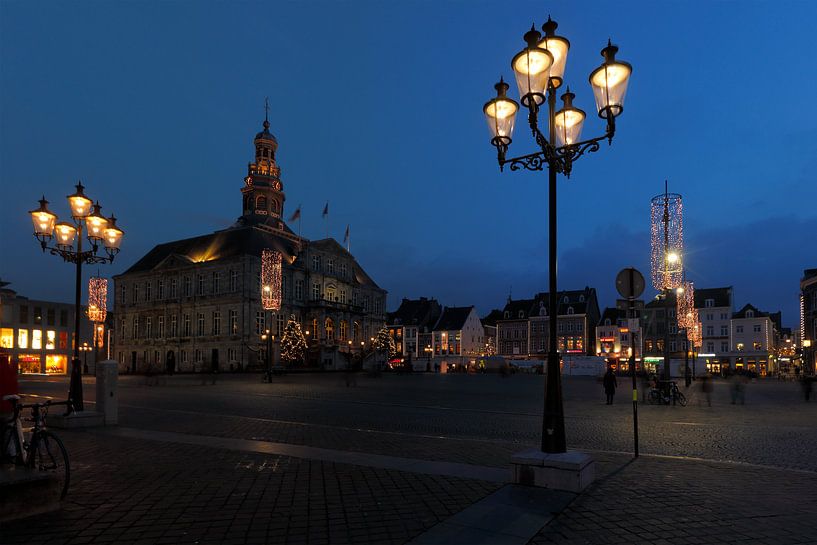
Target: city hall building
195 303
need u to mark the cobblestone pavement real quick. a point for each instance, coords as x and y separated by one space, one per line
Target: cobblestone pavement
653 500
127 491
752 476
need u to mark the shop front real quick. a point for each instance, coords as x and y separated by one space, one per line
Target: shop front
29 363
56 364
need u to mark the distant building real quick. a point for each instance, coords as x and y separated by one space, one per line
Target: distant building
754 334
458 332
38 335
489 325
410 326
715 308
808 319
614 339
196 303
523 331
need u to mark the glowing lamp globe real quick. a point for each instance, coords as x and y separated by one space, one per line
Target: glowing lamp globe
532 69
558 48
609 83
80 204
568 122
65 234
112 236
96 223
43 220
500 113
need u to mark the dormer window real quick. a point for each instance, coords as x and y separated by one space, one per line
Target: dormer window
581 298
565 300
709 303
607 321
507 314
570 310
521 314
750 313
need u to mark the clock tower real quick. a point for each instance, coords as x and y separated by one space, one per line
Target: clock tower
262 194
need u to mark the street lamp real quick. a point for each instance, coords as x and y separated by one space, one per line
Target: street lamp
539 70
268 356
85 349
86 217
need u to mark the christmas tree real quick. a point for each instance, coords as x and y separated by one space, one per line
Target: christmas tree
293 343
490 348
385 343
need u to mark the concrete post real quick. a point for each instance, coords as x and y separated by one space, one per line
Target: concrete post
107 391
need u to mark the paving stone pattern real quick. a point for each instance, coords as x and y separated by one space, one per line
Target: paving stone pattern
126 491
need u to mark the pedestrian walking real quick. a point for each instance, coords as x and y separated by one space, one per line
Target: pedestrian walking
806 382
706 388
610 383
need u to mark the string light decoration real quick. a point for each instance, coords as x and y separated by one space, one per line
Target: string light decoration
270 279
685 295
99 335
667 240
293 343
97 299
696 331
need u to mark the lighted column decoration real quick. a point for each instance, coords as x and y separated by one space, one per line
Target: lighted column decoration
687 317
97 299
667 241
271 279
666 258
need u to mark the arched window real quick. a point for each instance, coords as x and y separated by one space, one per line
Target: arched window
315 331
261 203
274 206
570 310
542 310
565 300
607 321
330 293
330 329
343 330
507 314
521 314
581 298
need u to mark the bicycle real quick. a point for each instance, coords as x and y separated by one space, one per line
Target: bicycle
660 396
43 451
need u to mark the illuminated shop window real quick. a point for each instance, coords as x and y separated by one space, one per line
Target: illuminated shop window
56 364
22 338
63 340
37 339
50 338
6 338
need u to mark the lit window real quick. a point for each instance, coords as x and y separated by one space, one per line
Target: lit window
7 338
37 339
50 338
22 338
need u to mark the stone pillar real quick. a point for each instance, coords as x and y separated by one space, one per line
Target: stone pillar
107 394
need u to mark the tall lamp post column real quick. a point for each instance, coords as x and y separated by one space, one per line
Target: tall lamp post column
539 70
87 218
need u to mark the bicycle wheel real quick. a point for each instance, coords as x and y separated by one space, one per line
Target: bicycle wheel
682 399
50 455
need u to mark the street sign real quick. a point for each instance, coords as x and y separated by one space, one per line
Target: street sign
630 283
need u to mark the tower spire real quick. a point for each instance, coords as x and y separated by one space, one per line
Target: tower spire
266 112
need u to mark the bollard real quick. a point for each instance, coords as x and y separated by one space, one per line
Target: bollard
107 394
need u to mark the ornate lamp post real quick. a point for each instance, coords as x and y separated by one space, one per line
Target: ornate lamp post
270 296
87 217
539 70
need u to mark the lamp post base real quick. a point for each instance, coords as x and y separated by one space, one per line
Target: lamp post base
572 470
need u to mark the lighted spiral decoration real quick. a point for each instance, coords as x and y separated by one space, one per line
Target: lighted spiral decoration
667 241
270 279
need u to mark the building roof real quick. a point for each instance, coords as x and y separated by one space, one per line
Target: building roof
235 242
422 312
492 318
453 318
577 299
722 297
613 314
514 306
749 307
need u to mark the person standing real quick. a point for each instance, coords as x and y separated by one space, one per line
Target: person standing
610 383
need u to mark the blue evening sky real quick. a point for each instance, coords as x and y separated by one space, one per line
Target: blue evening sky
377 107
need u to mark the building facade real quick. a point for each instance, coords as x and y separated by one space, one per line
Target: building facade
38 336
523 331
715 309
411 326
195 304
754 338
808 320
458 332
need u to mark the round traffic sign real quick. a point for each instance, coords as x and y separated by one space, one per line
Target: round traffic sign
630 283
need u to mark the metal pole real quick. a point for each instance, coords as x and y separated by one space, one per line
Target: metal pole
75 386
553 422
632 365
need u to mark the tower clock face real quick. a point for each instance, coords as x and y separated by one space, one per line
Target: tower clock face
277 186
248 180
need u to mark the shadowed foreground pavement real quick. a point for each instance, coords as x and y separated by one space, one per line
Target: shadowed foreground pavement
202 463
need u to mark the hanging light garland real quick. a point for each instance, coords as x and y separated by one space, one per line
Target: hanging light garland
270 279
667 241
696 331
97 299
687 316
